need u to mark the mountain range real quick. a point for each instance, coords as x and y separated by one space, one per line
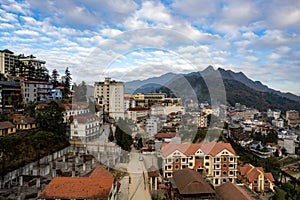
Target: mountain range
238 88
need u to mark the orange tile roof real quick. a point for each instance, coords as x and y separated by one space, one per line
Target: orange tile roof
77 188
193 148
212 148
270 177
253 174
244 169
101 172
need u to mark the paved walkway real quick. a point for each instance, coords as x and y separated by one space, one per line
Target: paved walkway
138 188
124 188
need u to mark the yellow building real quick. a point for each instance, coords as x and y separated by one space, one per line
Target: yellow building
7 128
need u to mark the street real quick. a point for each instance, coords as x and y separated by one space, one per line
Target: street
138 188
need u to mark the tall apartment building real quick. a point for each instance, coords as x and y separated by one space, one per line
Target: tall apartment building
7 61
216 161
35 69
110 95
25 66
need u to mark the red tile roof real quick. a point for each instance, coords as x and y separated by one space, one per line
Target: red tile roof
6 124
270 177
212 148
101 172
77 188
252 172
164 135
244 169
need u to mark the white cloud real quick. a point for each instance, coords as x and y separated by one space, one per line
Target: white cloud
27 33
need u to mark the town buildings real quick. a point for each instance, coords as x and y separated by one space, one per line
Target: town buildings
110 95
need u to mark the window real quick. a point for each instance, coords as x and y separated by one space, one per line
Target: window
224 180
255 181
266 182
206 157
169 160
217 173
176 167
207 164
230 165
224 165
191 164
230 172
224 173
176 160
231 159
224 159
169 166
216 181
183 159
218 159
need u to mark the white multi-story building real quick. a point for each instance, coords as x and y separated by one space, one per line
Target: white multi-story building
217 161
110 95
151 125
74 110
7 61
85 127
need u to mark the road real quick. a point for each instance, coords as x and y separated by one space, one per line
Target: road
138 188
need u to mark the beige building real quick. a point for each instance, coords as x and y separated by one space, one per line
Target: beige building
110 95
256 179
292 117
217 161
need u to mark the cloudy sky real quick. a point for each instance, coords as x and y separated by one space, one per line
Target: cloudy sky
130 40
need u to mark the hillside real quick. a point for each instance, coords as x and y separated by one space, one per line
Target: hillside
238 87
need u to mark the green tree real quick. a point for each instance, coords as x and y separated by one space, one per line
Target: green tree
54 78
279 194
50 118
67 83
111 137
123 135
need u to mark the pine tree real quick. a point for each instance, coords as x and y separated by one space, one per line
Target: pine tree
54 78
67 83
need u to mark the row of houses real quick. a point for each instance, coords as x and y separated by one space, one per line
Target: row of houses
20 123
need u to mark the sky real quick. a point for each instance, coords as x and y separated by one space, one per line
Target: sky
130 40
